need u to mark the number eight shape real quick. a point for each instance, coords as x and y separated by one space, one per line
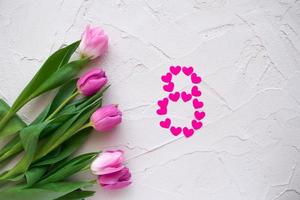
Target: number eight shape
186 96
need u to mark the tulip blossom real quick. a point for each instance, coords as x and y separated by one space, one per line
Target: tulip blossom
106 118
94 42
91 82
116 180
108 162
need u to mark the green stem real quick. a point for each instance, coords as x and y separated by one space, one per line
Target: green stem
84 127
61 106
42 153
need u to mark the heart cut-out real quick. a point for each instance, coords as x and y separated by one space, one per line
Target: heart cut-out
166 123
197 104
175 130
163 103
196 125
161 111
187 70
174 96
199 115
175 70
169 87
188 132
195 91
185 96
166 78
195 79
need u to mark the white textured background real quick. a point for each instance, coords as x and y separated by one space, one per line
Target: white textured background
248 54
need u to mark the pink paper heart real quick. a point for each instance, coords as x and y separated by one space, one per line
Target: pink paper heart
166 78
174 96
197 103
161 111
188 70
188 132
195 91
195 79
175 130
166 123
199 115
196 125
169 87
163 103
185 97
175 70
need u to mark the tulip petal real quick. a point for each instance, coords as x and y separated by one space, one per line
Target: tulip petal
122 175
108 162
116 186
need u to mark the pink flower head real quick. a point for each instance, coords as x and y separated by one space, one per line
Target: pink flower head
91 82
94 42
108 162
106 118
116 180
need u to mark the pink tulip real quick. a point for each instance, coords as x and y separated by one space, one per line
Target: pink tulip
94 42
91 82
116 180
108 162
106 118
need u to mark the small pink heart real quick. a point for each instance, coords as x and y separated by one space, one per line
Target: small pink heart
195 91
166 78
188 132
174 96
185 97
175 70
161 111
169 87
163 103
196 125
195 78
199 115
197 103
175 130
188 70
166 123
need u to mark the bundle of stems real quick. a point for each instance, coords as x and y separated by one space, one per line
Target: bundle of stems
47 145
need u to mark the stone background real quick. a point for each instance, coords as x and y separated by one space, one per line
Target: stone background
248 54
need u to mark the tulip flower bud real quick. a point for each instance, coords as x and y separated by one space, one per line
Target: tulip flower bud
106 118
91 82
94 42
116 180
108 162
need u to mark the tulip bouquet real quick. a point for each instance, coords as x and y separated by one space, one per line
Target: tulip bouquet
48 143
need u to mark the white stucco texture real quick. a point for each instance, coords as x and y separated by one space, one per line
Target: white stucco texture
247 53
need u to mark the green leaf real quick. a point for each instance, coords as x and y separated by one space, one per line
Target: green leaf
49 191
68 168
77 195
69 71
29 137
63 93
54 63
68 148
47 146
11 149
14 146
70 127
34 174
14 125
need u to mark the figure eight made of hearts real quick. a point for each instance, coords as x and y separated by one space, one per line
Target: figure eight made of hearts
187 96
